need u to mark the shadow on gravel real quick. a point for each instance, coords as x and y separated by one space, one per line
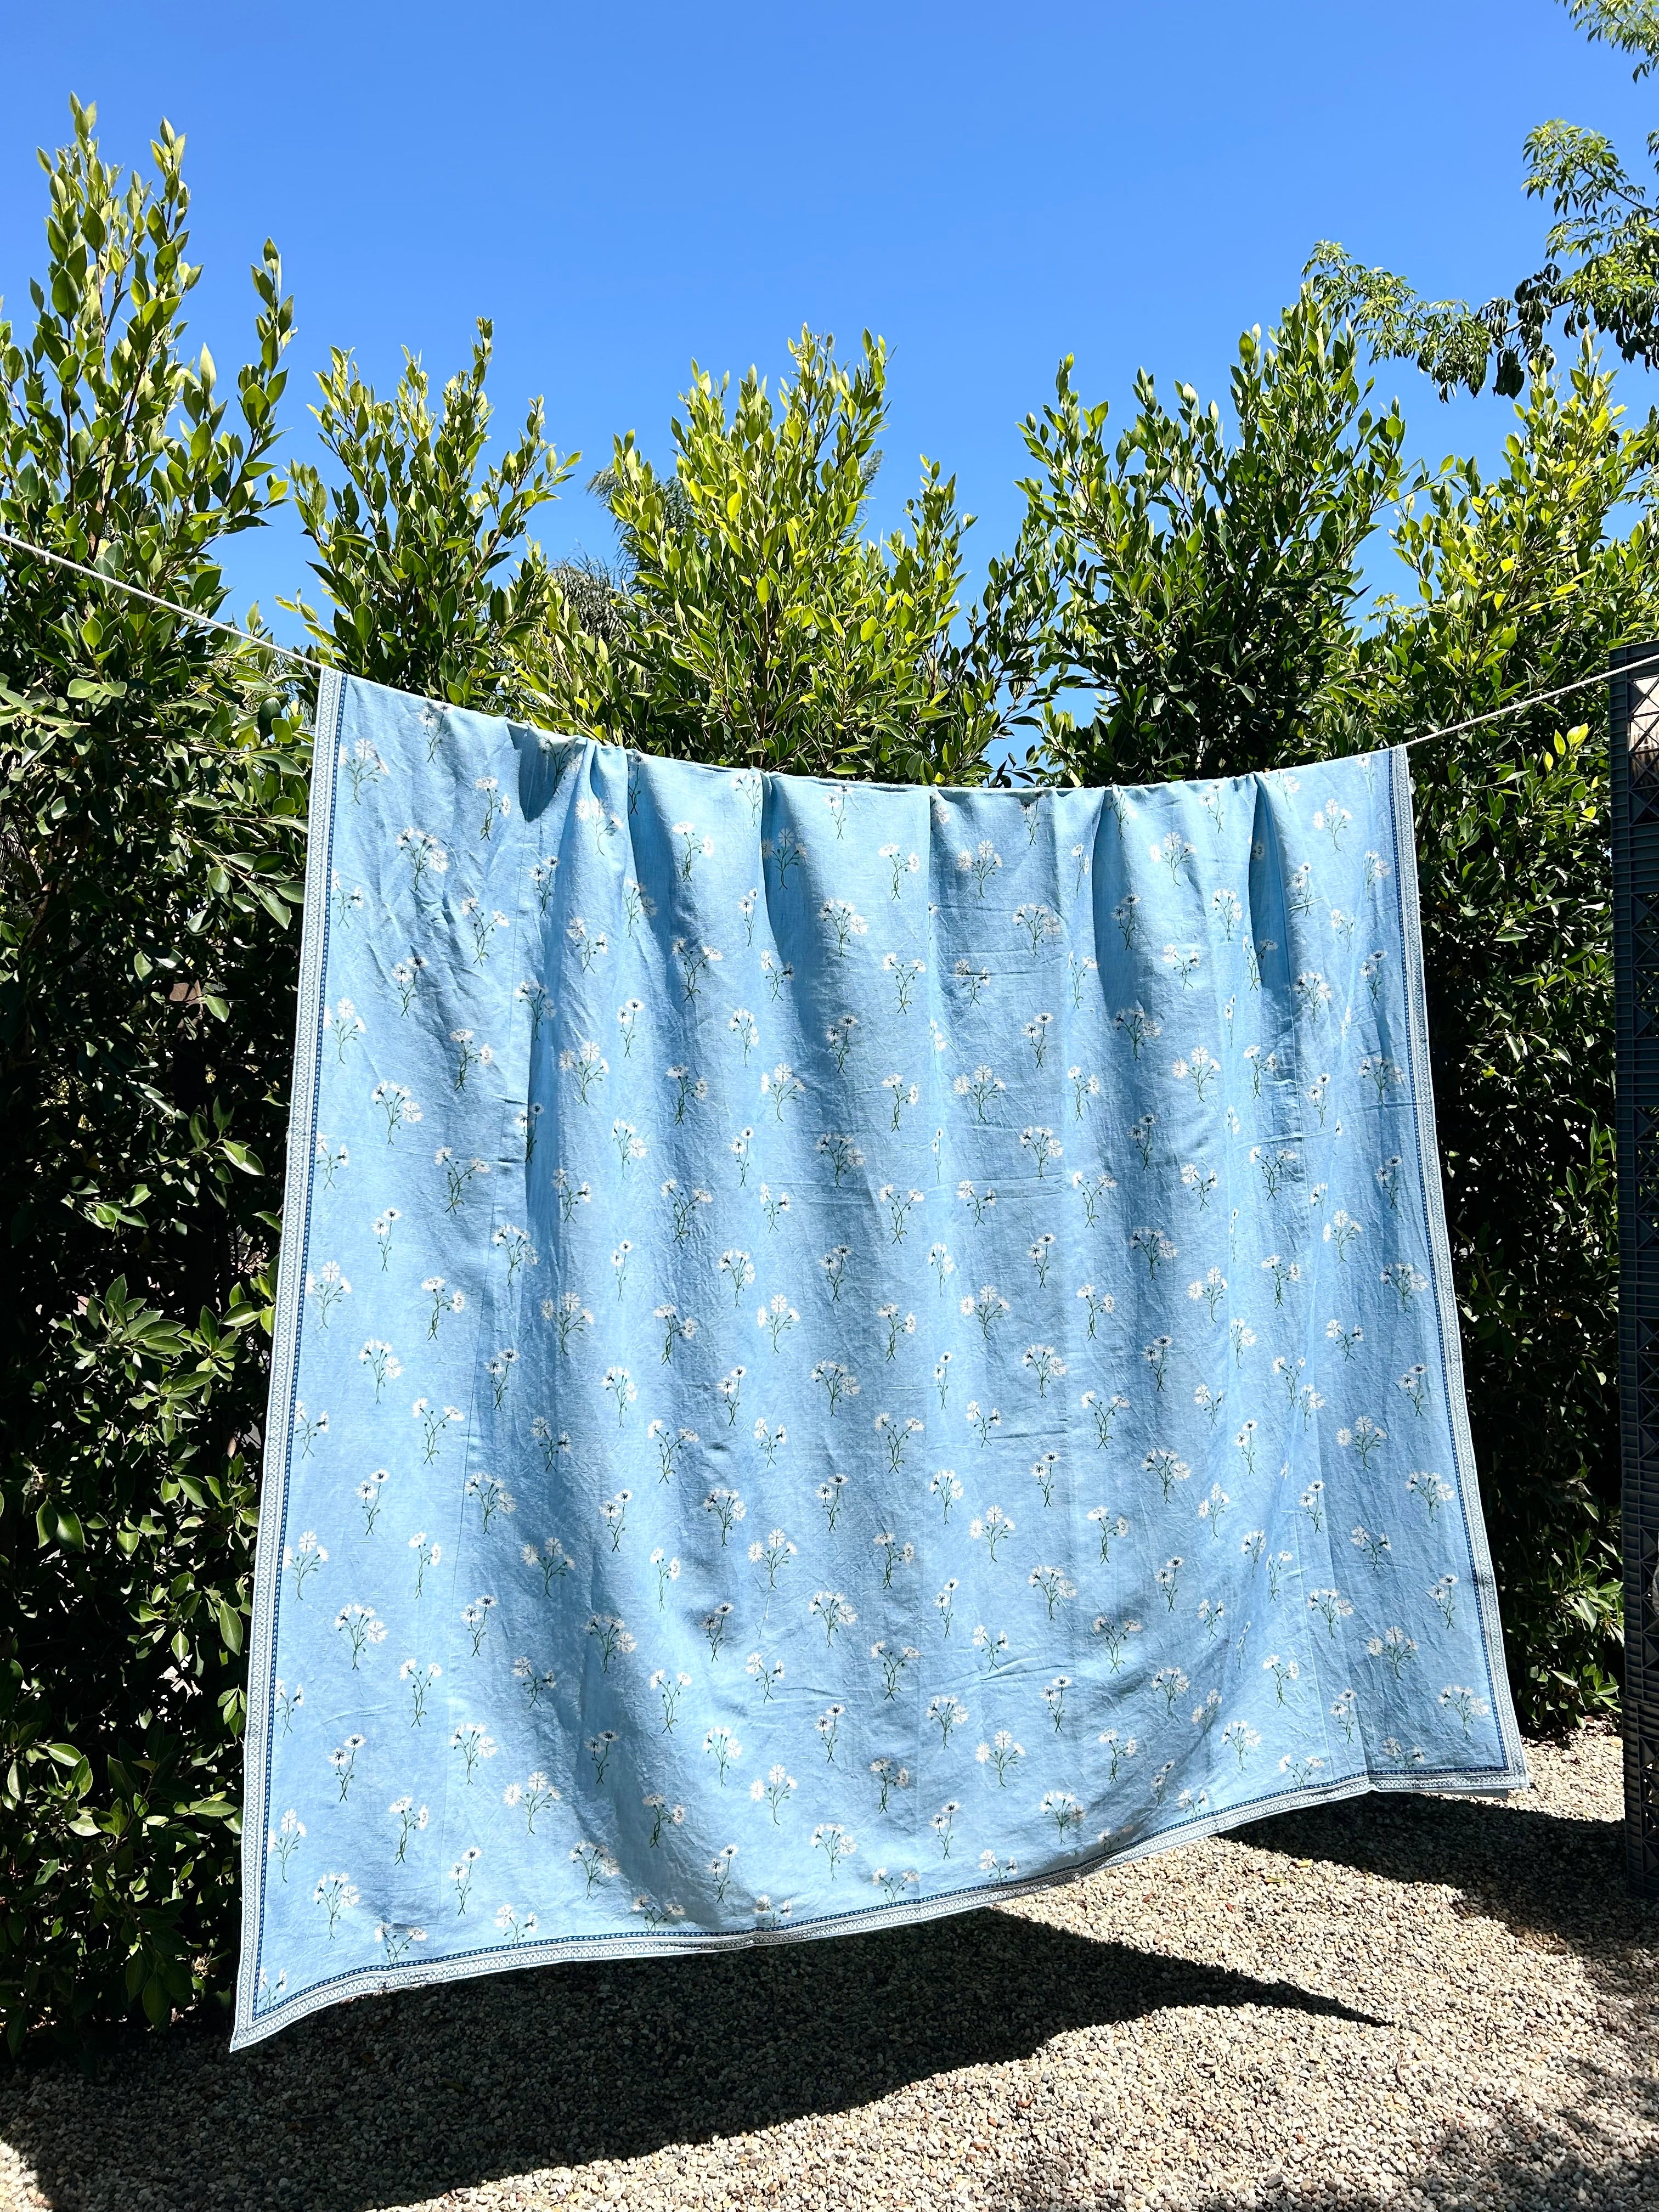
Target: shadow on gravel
1509 2171
399 2099
1565 2164
1556 1880
438 2090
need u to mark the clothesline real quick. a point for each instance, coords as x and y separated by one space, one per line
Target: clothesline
305 660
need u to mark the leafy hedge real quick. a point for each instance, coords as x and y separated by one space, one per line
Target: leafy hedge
149 844
1526 582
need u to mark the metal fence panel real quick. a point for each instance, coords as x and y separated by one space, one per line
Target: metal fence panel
1634 752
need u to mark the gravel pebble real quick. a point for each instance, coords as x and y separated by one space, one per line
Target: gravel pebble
1404 2000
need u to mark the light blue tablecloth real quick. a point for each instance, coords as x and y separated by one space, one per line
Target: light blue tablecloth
841 1351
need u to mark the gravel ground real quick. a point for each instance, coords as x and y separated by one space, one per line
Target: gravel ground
1431 2002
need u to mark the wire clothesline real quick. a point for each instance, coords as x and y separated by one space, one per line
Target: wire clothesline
305 660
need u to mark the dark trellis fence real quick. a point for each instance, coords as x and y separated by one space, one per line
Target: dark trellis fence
1634 734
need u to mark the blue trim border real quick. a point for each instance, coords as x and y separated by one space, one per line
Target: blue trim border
285 1346
1513 1775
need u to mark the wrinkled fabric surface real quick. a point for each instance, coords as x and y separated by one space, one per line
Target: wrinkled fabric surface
841 1351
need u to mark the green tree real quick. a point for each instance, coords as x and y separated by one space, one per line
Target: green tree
1525 582
1601 273
757 624
150 840
747 618
1197 582
415 539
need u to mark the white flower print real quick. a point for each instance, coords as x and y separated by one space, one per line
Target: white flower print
337 1894
773 1555
903 1094
426 855
893 1657
1155 1247
589 945
1465 1704
587 1067
982 1422
344 1026
612 1637
777 1317
1053 1586
842 1154
1108 1526
1199 1067
1002 1754
285 1839
483 922
475 1744
303 1558
979 1089
1365 1437
831 1609
947 1713
1183 961
327 1287
832 1840
1433 1489
900 1205
979 1202
980 861
947 1488
744 1026
1313 993
596 1863
726 1508
774 1789
671 1688
534 1681
638 905
1394 1648
1092 1188
1045 1363
1036 923
842 924
1061 1806
1331 1606
1043 1147
695 959
837 1382
1284 1672
1405 1281
693 845
993 1527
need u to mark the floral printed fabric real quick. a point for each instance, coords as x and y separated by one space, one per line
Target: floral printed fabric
841 1351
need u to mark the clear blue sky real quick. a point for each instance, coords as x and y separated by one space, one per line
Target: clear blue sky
626 186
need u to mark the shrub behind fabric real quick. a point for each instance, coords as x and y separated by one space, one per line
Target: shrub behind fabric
149 838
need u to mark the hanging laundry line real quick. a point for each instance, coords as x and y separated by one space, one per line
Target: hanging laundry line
167 606
305 660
